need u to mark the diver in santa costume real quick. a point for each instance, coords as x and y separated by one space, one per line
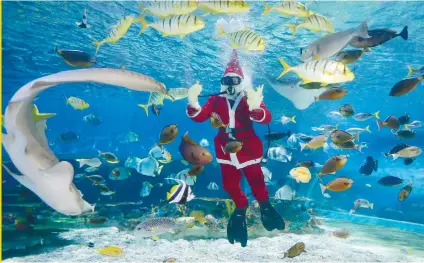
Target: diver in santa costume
235 112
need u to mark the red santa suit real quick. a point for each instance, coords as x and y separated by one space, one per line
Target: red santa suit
240 127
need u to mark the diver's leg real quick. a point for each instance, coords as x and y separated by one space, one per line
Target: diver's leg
270 218
236 229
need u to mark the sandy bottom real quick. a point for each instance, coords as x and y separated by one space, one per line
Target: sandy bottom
366 244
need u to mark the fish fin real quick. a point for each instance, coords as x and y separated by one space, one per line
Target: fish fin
37 116
375 165
368 129
98 44
316 57
155 238
302 146
328 73
356 137
188 139
221 31
333 173
323 188
145 107
293 119
372 206
61 171
395 156
362 30
267 9
286 68
377 115
352 211
407 127
379 124
160 169
404 33
316 98
144 24
293 28
411 71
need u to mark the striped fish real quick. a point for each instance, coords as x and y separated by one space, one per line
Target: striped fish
167 8
180 193
314 23
289 7
175 25
224 6
77 103
245 39
177 94
155 98
322 71
118 31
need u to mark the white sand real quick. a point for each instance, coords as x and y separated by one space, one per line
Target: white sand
357 248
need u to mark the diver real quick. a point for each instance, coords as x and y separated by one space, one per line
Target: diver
83 23
232 107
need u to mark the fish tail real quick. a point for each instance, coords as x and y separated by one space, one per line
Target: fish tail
323 188
368 129
372 206
316 98
395 156
285 254
267 9
56 50
352 211
293 119
293 28
145 107
80 162
144 24
362 30
404 33
411 71
286 68
377 115
221 31
302 146
98 44
367 49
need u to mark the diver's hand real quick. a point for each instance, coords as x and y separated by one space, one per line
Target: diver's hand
255 97
193 94
257 114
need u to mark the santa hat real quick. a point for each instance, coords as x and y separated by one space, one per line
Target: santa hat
233 67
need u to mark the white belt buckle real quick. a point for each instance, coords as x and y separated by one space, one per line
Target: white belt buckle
228 130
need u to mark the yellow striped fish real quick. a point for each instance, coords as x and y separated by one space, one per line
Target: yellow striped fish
224 6
322 71
175 25
245 39
77 103
314 23
118 31
154 98
289 7
167 8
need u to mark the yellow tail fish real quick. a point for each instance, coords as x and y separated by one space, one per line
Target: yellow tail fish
224 6
314 23
118 31
163 9
289 7
155 98
245 39
322 71
175 25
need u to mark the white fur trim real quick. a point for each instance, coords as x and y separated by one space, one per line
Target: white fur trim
263 118
195 114
239 165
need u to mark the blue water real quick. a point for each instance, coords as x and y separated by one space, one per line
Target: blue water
31 30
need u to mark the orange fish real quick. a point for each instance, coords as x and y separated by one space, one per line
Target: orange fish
337 185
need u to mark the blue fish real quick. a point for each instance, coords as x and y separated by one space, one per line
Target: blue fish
390 181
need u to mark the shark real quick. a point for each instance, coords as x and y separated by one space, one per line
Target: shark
292 90
26 144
